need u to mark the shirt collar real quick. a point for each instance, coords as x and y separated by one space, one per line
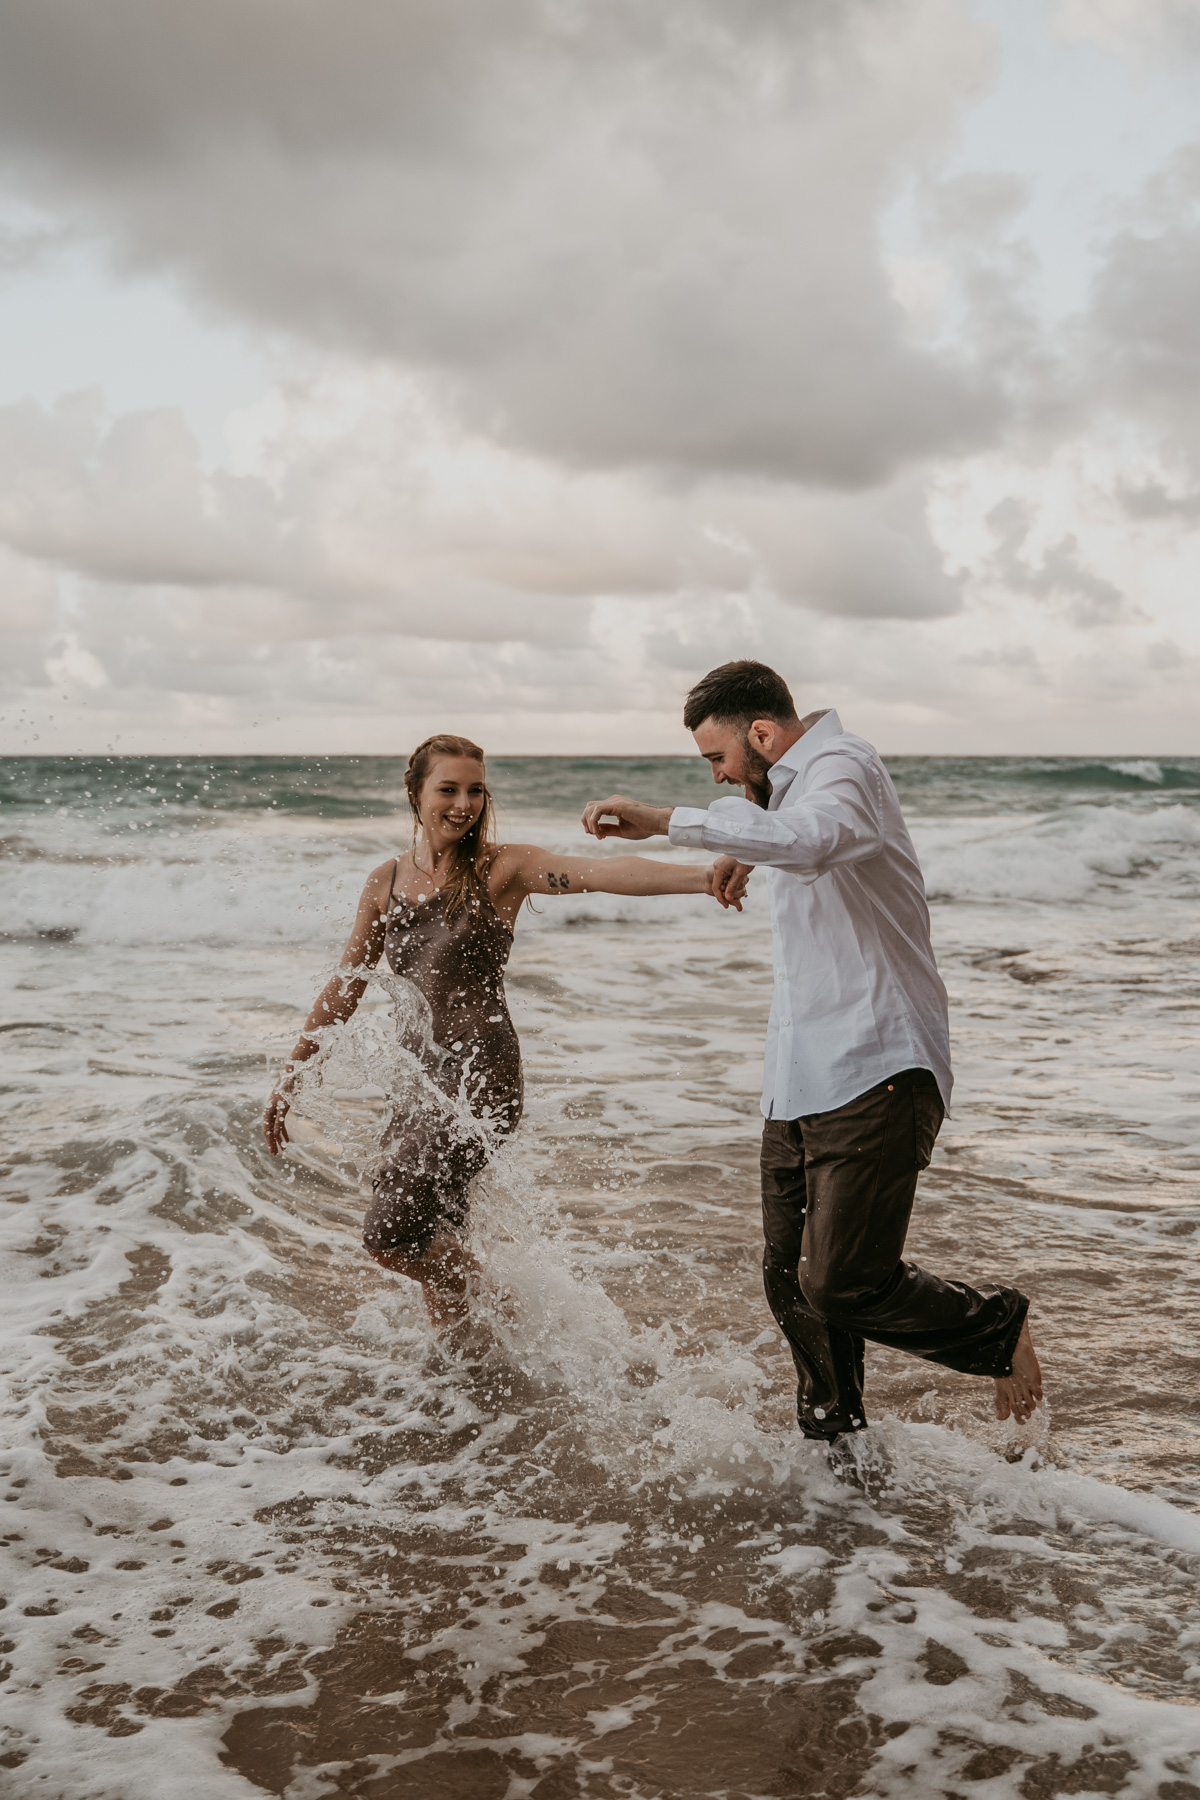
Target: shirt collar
819 726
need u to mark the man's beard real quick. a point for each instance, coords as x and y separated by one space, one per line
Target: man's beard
755 781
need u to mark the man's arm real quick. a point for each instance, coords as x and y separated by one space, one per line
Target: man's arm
838 820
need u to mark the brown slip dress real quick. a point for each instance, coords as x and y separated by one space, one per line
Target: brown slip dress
430 1158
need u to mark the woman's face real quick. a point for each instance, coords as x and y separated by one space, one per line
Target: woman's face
452 797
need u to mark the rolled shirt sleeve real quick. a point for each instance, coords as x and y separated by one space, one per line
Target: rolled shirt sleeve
839 819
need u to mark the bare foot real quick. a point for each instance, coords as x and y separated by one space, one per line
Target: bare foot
1018 1394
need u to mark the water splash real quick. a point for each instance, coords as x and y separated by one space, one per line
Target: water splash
383 1064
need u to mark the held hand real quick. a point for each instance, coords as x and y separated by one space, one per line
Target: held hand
727 881
274 1129
619 817
739 881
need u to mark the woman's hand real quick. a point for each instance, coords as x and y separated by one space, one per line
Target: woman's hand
339 997
274 1129
727 881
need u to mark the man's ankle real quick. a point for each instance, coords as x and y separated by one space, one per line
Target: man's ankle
819 1431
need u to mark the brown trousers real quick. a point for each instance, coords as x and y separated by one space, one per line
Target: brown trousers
837 1194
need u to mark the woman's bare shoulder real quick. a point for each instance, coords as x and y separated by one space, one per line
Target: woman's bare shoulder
380 881
510 857
510 862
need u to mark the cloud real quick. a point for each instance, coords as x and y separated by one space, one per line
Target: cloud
25 246
1060 572
1142 335
594 359
972 218
356 507
622 235
1153 499
1138 29
71 665
28 598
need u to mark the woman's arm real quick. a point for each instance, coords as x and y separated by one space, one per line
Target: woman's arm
524 869
338 999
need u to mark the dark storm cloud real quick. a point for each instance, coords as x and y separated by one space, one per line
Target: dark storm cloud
623 234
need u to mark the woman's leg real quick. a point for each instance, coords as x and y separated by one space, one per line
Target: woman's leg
442 1272
415 1221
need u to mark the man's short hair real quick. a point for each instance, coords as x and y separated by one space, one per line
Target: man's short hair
738 693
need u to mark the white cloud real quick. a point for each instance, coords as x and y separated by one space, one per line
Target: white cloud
1139 29
70 665
28 596
356 505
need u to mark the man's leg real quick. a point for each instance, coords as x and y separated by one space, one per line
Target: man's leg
829 1361
862 1162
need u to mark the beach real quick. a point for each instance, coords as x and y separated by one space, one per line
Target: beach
264 1530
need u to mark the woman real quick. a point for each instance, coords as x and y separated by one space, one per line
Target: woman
444 914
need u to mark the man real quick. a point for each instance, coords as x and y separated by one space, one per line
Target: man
857 1075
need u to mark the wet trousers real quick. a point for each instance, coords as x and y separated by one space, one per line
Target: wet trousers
837 1194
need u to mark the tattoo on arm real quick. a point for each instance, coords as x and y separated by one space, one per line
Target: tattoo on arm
561 884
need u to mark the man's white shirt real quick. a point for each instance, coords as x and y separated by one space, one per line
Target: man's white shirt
857 992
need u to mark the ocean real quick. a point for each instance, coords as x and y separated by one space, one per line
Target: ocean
576 1547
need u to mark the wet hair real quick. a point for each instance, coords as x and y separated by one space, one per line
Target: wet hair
738 693
471 857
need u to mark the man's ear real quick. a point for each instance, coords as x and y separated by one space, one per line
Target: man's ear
762 734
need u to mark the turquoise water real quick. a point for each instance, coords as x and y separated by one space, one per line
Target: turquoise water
347 787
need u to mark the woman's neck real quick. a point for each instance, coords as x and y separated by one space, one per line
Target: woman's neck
428 857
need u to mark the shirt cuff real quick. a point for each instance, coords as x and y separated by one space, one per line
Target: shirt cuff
686 827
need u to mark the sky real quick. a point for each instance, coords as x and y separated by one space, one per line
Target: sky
500 366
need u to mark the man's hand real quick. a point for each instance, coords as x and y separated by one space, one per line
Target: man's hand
618 817
728 879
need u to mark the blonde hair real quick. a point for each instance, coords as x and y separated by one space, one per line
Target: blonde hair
471 857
